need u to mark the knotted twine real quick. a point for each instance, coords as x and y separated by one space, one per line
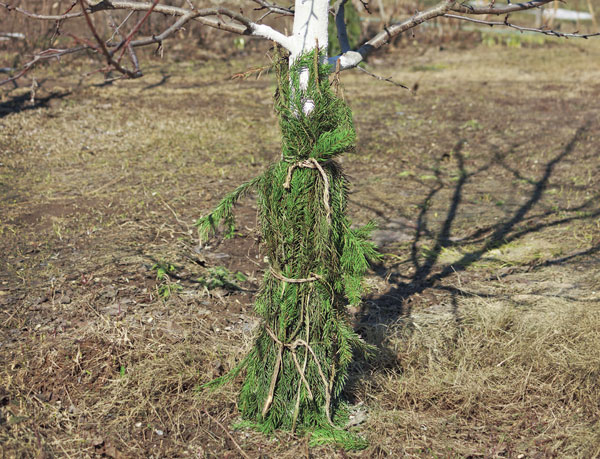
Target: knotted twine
309 163
312 163
292 347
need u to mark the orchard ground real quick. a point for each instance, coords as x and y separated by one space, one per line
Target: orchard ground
485 310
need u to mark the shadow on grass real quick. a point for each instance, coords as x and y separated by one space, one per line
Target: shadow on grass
165 78
17 104
382 311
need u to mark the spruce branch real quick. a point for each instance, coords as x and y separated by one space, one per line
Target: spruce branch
223 213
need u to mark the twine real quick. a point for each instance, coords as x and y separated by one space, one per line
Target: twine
312 163
292 347
281 277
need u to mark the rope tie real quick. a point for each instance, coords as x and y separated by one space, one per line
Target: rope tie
281 277
292 347
312 163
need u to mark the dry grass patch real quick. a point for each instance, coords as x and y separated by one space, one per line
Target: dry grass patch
494 379
486 309
121 388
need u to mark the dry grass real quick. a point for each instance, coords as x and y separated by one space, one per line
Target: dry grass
495 380
485 311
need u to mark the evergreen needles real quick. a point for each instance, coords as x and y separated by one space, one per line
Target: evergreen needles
299 364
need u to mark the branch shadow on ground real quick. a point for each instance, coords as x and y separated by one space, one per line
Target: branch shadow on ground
380 312
24 102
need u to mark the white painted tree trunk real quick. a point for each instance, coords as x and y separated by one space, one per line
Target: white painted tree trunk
311 18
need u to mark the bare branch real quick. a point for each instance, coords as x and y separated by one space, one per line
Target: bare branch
134 58
505 23
492 8
273 8
239 24
47 54
365 4
383 37
264 31
380 78
117 28
13 35
340 24
242 26
108 55
351 59
165 34
125 42
43 17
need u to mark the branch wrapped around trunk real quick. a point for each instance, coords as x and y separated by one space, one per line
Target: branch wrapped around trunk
299 364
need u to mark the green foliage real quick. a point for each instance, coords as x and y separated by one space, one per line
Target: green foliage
471 125
164 271
340 438
297 369
223 213
166 290
220 276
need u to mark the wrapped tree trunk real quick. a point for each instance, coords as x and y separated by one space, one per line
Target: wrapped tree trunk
299 364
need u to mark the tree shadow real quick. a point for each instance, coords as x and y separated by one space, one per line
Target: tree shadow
165 78
380 312
24 102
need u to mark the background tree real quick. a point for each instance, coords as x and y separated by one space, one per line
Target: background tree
297 369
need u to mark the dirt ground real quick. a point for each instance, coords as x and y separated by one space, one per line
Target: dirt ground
485 311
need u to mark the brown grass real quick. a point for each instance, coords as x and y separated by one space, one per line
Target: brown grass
485 310
517 380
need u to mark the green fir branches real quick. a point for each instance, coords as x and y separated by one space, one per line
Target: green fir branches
298 367
223 213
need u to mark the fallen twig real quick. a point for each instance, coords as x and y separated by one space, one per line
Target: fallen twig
228 434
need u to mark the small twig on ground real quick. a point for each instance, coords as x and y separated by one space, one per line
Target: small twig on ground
228 434
107 184
183 224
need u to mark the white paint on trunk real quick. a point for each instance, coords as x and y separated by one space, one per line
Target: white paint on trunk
348 60
264 31
311 18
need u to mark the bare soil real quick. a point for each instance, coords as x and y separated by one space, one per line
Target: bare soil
486 309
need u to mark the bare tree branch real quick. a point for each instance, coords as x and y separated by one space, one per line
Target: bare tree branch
102 46
165 34
380 78
505 23
365 4
40 16
125 42
12 35
492 8
243 26
273 8
47 54
234 22
212 17
350 59
117 28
